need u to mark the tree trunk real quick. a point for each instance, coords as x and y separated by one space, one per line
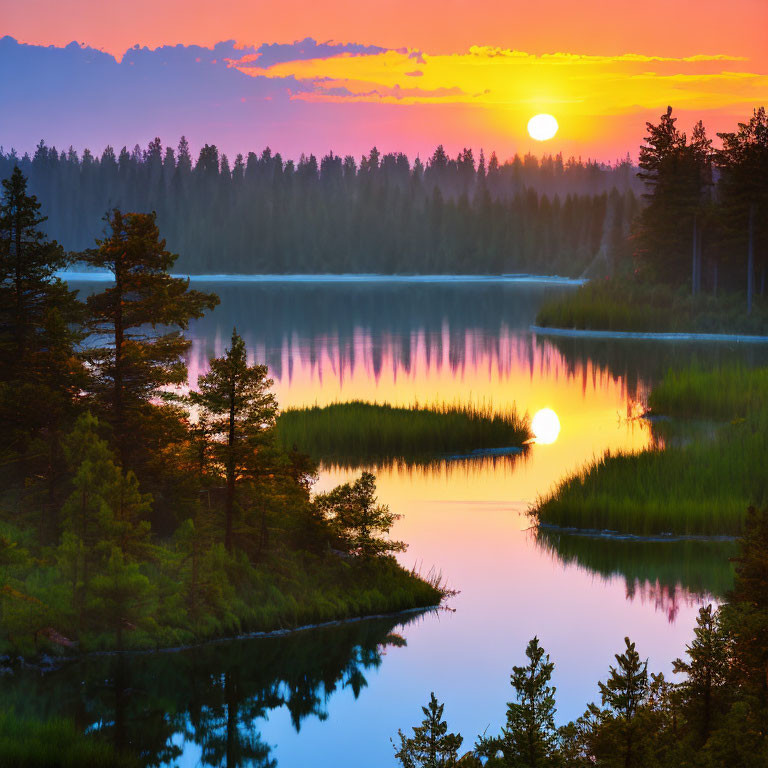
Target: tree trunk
230 499
694 258
751 258
117 395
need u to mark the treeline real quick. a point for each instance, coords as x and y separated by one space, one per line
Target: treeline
715 716
705 222
264 214
123 521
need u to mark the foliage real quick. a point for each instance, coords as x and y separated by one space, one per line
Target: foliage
134 365
26 743
529 738
383 213
431 746
361 524
358 431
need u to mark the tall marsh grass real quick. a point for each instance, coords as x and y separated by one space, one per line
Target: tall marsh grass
358 431
728 392
615 305
703 487
26 743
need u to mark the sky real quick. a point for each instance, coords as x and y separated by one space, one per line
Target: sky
303 76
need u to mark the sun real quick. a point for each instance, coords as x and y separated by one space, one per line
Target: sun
545 426
542 127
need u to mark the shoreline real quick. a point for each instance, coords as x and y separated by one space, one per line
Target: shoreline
348 277
660 538
578 333
56 662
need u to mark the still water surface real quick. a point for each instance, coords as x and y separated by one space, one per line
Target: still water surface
334 696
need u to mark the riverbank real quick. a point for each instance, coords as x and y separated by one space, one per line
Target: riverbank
283 593
357 432
700 485
629 309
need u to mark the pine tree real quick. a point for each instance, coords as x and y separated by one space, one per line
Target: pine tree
122 595
235 400
361 524
105 510
431 746
706 673
746 614
138 364
530 738
39 374
624 693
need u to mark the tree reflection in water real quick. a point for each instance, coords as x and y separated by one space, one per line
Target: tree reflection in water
213 696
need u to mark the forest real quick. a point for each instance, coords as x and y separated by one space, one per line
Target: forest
382 214
125 522
699 245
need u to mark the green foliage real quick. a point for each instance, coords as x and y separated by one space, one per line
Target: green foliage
383 214
431 746
361 524
121 594
357 432
237 410
727 392
703 693
529 737
26 743
642 307
136 365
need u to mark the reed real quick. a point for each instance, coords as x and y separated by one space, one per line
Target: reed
356 431
728 392
614 305
28 743
687 488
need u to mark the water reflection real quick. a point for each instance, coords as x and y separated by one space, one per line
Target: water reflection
209 703
404 344
667 574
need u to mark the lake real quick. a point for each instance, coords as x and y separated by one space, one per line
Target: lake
336 695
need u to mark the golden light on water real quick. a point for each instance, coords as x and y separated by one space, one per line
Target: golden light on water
542 127
545 426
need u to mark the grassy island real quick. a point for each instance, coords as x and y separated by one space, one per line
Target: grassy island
356 432
681 485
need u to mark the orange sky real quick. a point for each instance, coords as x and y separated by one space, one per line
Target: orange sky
476 71
654 27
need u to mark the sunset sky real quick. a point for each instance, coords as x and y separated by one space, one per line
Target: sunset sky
401 75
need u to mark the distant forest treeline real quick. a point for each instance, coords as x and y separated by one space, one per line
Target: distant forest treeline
386 214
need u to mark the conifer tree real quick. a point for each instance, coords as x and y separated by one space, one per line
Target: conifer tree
235 400
530 737
105 510
39 375
746 613
121 594
431 746
361 524
139 361
706 672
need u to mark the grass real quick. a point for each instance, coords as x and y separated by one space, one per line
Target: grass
728 392
614 305
699 484
359 431
26 743
699 487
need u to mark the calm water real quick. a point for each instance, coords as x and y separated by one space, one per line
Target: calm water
333 695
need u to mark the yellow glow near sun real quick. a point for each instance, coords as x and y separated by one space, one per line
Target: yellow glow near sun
542 127
545 426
